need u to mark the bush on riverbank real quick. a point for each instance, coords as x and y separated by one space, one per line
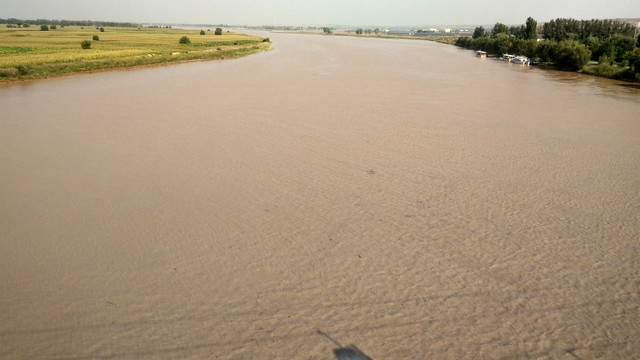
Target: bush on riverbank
605 68
571 55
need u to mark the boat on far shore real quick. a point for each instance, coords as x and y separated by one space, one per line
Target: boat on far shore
522 60
482 54
507 57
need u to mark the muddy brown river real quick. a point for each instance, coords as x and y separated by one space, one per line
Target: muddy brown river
402 196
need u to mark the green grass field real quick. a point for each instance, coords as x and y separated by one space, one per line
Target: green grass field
32 53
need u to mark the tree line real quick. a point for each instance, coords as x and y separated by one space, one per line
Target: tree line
567 43
360 31
20 22
566 29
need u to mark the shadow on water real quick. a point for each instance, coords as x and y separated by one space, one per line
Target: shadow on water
631 86
610 88
350 352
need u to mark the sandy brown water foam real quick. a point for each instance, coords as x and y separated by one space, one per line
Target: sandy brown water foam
401 196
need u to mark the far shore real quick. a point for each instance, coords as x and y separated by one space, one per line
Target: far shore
450 40
445 39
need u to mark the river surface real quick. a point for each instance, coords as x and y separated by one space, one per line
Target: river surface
402 196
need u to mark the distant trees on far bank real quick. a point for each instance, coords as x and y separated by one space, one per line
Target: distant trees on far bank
581 30
20 22
479 32
569 44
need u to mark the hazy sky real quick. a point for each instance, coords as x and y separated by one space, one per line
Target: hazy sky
319 12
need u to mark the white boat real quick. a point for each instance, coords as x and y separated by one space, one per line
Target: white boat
507 57
523 60
482 54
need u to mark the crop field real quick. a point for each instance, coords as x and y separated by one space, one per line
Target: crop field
33 53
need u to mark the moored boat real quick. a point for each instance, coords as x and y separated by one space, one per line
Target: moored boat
507 57
522 60
482 54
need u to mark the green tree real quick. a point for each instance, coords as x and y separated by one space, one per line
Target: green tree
202 32
218 31
501 44
359 31
464 41
86 44
483 43
571 55
96 37
517 31
531 29
499 28
326 30
616 47
593 43
546 50
517 46
53 27
44 28
184 40
634 64
524 47
479 32
563 29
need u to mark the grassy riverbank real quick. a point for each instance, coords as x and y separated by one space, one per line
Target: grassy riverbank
27 53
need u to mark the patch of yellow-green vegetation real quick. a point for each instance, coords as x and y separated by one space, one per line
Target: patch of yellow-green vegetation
32 53
445 39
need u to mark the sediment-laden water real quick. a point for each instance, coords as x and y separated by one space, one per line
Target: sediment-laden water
402 196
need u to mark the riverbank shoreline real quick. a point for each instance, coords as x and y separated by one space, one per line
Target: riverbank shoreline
122 68
31 54
6 82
